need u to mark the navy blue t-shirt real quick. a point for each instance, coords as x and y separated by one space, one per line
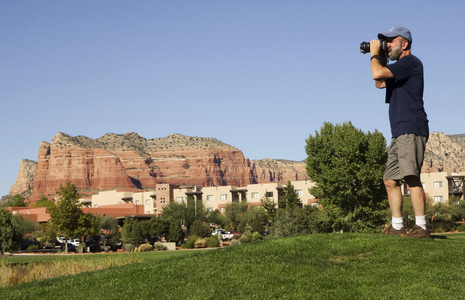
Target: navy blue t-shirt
404 93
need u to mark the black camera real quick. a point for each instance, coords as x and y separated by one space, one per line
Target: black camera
365 47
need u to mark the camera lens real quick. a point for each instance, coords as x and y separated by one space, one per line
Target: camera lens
364 47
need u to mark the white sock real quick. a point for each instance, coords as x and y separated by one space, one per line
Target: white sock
397 223
421 221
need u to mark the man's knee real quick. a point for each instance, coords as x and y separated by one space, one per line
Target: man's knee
413 181
389 183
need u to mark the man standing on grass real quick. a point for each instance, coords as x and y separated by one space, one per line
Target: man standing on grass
403 81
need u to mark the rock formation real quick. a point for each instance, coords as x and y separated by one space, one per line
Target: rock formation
23 183
278 170
131 162
443 154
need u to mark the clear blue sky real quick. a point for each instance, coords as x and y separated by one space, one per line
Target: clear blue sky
258 75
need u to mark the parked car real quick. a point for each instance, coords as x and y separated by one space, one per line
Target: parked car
75 242
225 235
71 247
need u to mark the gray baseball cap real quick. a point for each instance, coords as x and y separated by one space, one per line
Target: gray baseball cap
396 31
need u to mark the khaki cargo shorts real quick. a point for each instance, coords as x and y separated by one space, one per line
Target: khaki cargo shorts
405 156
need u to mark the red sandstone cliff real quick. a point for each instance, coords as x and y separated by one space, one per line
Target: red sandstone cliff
131 162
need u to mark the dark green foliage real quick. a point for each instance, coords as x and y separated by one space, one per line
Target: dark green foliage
176 234
134 231
212 242
215 217
347 166
200 229
44 202
158 227
234 212
290 197
10 234
16 201
294 221
66 214
190 242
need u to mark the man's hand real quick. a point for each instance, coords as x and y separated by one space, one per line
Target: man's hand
380 84
375 46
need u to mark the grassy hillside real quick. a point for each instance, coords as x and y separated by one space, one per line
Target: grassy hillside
331 266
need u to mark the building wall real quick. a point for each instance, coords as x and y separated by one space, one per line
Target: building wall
436 186
213 198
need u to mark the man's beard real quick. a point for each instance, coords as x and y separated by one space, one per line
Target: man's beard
395 53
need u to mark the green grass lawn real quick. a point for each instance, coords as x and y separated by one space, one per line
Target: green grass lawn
326 266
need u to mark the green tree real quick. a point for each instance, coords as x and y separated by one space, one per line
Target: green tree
17 201
199 228
270 208
290 196
234 211
215 217
10 235
43 202
176 234
66 214
347 167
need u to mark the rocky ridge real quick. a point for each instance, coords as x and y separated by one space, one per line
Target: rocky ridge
130 162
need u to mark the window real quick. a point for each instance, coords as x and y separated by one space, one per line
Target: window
137 202
222 210
299 192
147 212
314 204
179 199
210 198
437 199
269 194
147 201
95 205
437 184
224 196
255 195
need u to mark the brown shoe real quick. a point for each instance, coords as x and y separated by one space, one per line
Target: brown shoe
392 231
418 232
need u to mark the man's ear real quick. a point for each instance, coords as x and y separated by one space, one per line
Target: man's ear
404 44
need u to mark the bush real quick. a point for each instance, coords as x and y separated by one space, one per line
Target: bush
128 247
33 248
461 227
244 239
234 243
190 242
145 248
211 242
159 246
200 243
80 247
257 236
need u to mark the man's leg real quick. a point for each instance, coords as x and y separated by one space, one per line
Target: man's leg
417 194
394 194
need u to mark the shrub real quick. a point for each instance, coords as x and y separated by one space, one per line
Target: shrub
80 247
200 243
234 243
128 247
244 239
145 248
33 248
256 236
211 242
461 227
190 242
106 248
159 246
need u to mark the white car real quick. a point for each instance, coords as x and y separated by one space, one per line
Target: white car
75 242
